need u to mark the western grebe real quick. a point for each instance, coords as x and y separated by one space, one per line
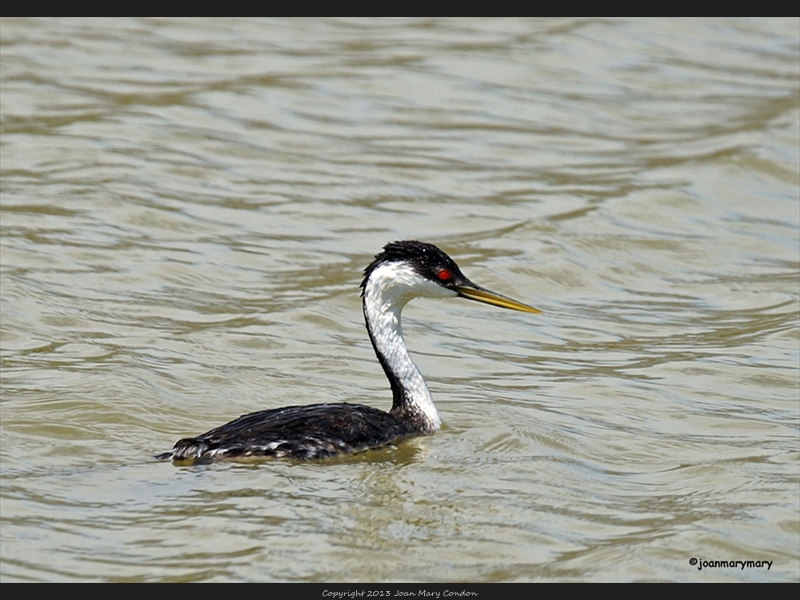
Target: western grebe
401 272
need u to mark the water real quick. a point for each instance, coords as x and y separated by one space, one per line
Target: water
187 206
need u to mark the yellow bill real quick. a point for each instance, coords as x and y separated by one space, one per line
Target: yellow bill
474 292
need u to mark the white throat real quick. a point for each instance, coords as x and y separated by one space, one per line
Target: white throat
389 287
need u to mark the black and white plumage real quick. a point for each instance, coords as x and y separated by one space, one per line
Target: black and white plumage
402 271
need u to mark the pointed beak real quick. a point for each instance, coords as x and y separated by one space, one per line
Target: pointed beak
475 292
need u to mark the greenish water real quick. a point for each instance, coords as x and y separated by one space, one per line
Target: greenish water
187 206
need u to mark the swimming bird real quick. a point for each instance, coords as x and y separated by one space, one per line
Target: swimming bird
402 271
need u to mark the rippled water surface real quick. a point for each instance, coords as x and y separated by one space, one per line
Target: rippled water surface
187 206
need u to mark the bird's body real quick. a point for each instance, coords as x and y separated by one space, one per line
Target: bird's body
298 432
404 270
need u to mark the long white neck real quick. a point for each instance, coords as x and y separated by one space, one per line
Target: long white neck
389 287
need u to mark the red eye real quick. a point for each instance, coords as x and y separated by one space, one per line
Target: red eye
443 275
